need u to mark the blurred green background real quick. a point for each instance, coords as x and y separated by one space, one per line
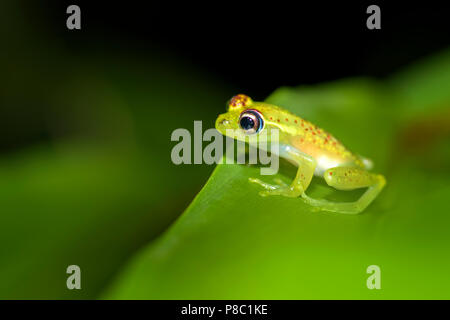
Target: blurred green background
86 176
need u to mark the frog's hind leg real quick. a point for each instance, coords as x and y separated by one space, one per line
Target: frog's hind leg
349 178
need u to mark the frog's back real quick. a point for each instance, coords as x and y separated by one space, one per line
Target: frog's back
312 140
323 147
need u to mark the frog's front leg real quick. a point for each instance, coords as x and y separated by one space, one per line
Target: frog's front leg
306 166
349 178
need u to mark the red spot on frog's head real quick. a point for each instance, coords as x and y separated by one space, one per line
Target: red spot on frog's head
239 101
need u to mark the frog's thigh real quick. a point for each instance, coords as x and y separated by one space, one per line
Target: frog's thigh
349 178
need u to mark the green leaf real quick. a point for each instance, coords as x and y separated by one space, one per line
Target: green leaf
233 244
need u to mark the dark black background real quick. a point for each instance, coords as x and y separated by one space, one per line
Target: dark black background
260 46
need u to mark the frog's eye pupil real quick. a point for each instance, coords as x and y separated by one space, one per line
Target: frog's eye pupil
247 123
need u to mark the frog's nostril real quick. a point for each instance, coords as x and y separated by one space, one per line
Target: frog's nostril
225 122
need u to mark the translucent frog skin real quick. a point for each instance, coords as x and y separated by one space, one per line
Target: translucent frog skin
313 150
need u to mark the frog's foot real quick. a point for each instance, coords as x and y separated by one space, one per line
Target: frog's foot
331 206
280 182
281 188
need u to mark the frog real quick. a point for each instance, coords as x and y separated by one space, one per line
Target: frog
313 150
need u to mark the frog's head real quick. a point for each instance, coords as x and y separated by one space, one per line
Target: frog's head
244 118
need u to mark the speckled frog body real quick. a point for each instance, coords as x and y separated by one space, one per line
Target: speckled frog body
312 149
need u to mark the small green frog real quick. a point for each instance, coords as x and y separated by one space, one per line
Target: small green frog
313 150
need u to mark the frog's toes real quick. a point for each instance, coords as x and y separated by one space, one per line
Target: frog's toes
281 191
315 209
280 182
274 192
263 184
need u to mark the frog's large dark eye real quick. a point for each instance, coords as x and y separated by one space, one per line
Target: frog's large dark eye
251 121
